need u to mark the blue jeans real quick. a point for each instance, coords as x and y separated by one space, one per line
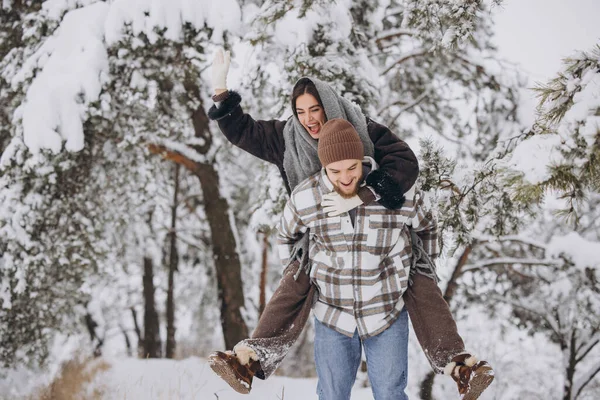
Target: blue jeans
337 358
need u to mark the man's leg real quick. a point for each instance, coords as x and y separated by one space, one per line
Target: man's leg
337 358
387 360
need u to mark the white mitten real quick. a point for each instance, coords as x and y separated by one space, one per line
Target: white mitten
334 204
220 68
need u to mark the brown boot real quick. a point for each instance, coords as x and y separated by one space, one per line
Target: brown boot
471 376
229 368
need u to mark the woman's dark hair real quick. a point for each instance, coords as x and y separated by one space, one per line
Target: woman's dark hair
303 86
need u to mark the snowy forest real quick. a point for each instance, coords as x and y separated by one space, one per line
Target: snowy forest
132 230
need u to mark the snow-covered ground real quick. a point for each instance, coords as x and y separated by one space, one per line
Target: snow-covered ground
192 379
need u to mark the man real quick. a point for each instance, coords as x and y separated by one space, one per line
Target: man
360 265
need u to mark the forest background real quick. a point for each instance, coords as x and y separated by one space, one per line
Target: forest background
130 228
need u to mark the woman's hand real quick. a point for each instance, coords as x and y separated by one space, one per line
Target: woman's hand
333 204
220 68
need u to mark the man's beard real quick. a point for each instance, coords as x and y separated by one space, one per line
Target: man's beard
347 195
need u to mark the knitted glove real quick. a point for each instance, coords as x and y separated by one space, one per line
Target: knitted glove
334 204
220 68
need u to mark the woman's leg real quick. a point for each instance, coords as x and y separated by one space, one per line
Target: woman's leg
282 320
437 333
432 321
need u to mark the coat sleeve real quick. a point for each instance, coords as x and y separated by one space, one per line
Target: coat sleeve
398 168
263 139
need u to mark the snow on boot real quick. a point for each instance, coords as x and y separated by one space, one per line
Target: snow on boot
471 376
237 375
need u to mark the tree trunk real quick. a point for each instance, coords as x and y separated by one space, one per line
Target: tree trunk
151 348
138 333
227 261
426 391
262 300
173 263
452 283
571 349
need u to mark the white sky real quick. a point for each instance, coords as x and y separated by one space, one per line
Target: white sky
537 34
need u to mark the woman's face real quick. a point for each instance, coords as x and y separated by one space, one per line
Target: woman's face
310 114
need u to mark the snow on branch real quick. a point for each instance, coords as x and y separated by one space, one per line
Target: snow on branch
73 64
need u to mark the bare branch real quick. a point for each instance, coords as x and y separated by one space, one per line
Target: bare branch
546 317
415 53
594 340
392 34
510 261
585 379
510 238
407 107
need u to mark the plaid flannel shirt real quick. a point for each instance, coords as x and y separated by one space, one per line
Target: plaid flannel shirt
361 270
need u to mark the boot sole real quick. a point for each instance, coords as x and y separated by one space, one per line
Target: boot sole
478 384
225 372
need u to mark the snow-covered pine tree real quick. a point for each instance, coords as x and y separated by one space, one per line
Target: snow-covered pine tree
549 283
66 181
562 296
566 134
48 226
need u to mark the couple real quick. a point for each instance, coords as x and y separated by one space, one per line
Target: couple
357 241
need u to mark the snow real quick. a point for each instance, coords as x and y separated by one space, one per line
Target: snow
146 15
584 253
73 63
291 30
67 72
191 378
533 156
586 102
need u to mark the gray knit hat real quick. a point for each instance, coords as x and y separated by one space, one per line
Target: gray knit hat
338 140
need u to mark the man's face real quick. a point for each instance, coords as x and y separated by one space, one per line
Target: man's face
345 176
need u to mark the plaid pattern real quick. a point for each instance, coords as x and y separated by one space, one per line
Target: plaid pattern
361 271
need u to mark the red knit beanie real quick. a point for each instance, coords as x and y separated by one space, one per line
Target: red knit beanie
338 140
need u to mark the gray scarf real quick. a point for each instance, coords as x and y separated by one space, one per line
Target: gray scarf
300 159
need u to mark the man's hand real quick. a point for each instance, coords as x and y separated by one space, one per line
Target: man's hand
220 68
334 204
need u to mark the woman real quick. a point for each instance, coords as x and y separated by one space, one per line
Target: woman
292 146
